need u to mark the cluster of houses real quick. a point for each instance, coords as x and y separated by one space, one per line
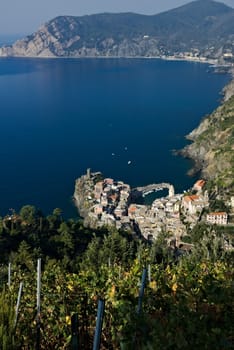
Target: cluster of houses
162 215
111 201
193 205
111 197
112 204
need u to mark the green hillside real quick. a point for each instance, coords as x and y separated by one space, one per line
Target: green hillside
212 147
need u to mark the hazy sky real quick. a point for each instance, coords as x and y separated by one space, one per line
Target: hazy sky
25 16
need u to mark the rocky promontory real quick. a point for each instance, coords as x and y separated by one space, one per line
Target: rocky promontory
83 195
212 144
200 31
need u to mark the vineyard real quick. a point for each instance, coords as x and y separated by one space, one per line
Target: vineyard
186 305
153 298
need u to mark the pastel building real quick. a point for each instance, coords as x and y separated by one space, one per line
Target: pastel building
98 189
193 203
219 218
98 209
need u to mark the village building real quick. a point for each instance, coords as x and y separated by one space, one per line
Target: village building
108 181
198 186
219 218
194 204
98 188
120 211
98 209
113 198
132 211
104 199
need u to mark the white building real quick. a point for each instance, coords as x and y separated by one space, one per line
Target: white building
219 218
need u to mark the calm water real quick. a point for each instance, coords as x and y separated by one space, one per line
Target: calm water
59 117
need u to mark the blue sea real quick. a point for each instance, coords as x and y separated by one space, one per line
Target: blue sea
122 117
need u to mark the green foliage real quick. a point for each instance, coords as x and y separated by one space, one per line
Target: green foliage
28 235
28 214
57 212
212 150
218 205
24 257
111 250
7 321
185 305
187 301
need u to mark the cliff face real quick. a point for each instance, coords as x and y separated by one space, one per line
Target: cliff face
83 195
200 29
212 146
58 39
49 41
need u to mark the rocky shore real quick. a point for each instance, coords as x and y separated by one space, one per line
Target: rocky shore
211 146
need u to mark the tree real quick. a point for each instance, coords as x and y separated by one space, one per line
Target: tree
1 225
66 237
28 214
91 257
57 212
24 257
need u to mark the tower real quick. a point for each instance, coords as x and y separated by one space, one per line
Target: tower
171 191
88 173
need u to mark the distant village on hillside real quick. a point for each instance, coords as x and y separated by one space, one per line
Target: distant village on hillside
104 201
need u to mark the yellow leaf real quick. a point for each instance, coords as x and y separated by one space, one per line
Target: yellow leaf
168 269
112 291
174 278
174 287
70 287
68 320
153 285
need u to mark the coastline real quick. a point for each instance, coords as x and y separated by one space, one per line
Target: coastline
163 57
219 67
199 152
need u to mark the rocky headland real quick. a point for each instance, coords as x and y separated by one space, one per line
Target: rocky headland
212 145
202 30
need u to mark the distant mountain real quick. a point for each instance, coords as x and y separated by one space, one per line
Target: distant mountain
202 28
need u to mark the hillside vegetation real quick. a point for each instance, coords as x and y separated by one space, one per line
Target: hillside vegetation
187 301
212 146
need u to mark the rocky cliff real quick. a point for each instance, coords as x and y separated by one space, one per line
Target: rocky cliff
83 196
203 28
212 146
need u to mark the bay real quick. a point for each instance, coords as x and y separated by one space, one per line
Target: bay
123 117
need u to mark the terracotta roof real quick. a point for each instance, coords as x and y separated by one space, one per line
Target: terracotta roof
131 208
200 183
220 213
191 198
